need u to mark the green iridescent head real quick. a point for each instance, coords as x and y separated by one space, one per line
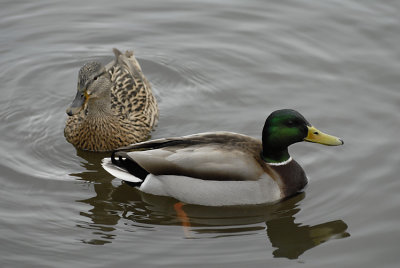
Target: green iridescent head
285 127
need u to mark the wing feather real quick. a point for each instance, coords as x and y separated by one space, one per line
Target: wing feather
210 156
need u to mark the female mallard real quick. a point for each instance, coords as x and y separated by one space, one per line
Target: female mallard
114 105
221 168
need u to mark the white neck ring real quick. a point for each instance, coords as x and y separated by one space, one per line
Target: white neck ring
281 163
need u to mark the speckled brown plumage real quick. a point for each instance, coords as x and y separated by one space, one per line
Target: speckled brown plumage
130 117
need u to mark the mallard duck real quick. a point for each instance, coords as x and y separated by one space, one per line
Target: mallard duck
221 168
113 107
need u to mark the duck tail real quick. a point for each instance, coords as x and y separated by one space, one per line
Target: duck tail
123 161
128 59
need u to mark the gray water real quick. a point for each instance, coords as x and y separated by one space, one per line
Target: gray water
214 65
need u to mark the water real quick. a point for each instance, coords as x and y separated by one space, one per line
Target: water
214 65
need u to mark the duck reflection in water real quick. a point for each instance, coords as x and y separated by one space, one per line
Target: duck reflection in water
103 214
290 239
114 203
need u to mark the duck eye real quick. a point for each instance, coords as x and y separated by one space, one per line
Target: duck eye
95 78
290 123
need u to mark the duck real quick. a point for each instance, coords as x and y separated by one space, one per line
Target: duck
221 168
114 105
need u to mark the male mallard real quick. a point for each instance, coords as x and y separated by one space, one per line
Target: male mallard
114 105
221 168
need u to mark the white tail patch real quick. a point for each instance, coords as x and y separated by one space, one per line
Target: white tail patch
118 172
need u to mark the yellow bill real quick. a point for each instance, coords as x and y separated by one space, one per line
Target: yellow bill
314 135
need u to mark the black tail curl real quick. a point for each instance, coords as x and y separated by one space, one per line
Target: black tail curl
130 165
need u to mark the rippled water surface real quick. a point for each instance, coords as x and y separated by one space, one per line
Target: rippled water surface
214 65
